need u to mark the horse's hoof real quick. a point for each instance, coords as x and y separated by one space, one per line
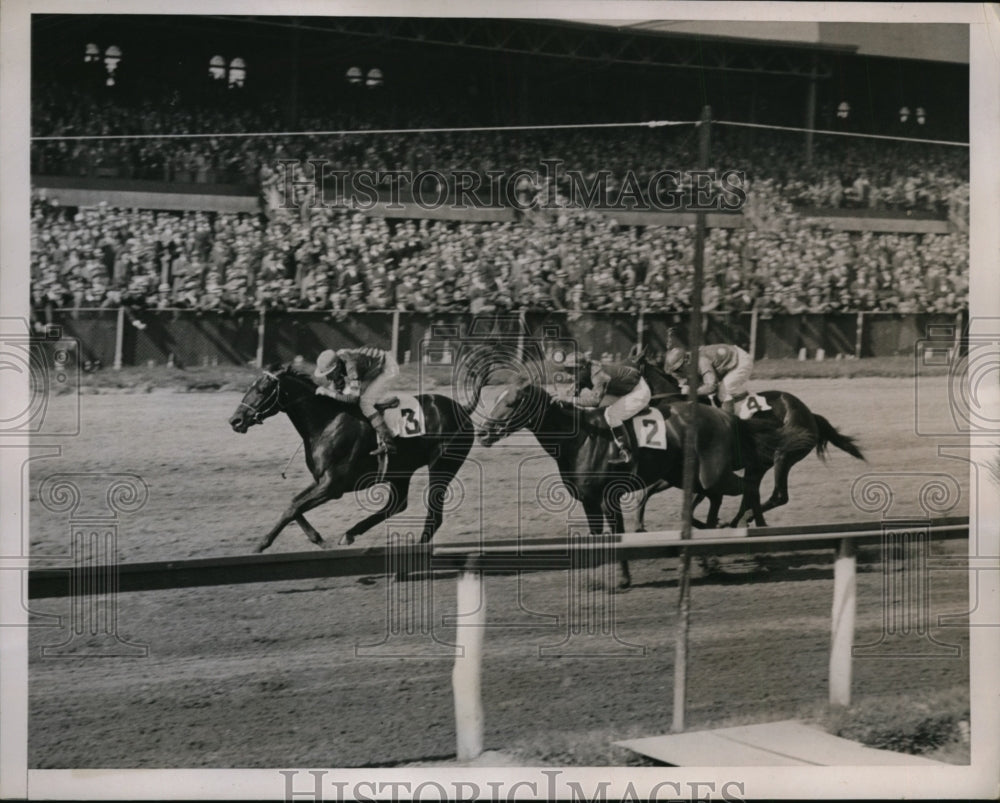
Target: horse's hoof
259 548
346 540
624 585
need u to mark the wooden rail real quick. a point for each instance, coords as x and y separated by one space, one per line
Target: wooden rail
473 560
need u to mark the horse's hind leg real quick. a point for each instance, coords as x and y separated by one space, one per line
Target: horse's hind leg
783 463
316 494
442 473
399 490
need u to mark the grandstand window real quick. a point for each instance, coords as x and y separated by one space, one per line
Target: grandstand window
374 78
91 53
921 115
237 73
354 75
217 68
844 110
112 58
904 114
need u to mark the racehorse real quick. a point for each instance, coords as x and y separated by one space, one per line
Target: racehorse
800 432
580 442
338 439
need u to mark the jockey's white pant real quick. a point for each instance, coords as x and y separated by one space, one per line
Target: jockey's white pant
378 387
628 405
734 383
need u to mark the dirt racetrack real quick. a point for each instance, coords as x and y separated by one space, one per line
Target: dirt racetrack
271 674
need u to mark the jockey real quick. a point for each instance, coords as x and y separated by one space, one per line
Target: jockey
595 380
367 372
724 370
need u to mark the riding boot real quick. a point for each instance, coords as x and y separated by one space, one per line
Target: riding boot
624 453
386 440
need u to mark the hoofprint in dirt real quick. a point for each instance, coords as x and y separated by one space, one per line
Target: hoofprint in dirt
268 674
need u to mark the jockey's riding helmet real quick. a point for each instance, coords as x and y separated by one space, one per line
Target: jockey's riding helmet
326 363
674 359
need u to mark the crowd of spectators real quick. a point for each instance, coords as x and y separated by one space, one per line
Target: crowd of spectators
560 257
841 171
570 259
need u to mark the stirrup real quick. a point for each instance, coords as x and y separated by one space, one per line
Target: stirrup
384 448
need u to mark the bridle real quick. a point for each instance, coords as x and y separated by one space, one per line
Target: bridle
270 404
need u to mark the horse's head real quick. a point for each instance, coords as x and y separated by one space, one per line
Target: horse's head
269 394
519 406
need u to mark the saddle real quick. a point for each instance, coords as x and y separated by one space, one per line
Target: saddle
388 403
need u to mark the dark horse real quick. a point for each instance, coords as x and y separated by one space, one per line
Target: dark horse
580 442
800 431
338 440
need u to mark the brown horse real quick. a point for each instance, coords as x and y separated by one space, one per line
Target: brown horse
799 432
338 439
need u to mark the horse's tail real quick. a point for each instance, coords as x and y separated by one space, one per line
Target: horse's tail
829 434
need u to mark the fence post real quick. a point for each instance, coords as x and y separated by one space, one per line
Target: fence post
466 677
260 339
859 335
844 607
119 338
640 326
522 327
394 348
753 333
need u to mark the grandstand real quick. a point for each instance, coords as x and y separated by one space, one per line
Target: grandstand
163 150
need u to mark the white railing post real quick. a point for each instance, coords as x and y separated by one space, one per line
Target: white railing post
261 321
859 335
522 326
119 338
753 333
466 677
394 348
640 324
842 637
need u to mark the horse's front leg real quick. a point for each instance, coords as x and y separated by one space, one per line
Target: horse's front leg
612 511
317 493
399 490
655 488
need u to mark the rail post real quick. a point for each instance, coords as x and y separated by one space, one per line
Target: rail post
261 322
842 623
753 332
466 677
859 335
394 348
119 338
522 327
690 444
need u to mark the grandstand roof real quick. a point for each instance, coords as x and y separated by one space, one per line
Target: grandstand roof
923 41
